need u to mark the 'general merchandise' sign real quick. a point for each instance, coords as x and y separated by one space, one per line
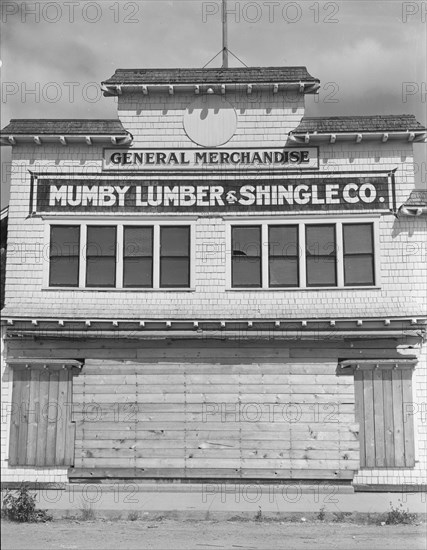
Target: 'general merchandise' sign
230 159
285 194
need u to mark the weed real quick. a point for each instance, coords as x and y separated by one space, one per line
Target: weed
133 516
340 517
258 515
397 515
22 506
87 513
322 514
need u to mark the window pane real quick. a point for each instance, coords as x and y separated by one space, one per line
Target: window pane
320 240
246 241
359 270
246 272
174 272
283 240
358 238
100 271
175 241
64 240
283 271
64 271
101 241
321 271
138 241
138 272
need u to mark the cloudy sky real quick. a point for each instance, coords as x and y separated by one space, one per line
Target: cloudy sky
369 55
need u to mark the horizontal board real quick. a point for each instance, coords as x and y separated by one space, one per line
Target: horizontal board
208 473
203 398
210 443
305 436
223 463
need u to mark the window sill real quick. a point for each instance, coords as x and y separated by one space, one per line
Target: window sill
103 289
300 289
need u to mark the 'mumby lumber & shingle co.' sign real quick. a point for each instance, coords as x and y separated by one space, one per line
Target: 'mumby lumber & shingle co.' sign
133 195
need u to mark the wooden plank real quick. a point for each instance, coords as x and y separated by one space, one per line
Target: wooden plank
34 416
15 421
42 423
408 418
52 418
207 473
399 434
70 426
377 380
63 406
368 402
360 414
388 418
23 427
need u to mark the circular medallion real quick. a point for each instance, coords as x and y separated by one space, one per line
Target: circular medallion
210 121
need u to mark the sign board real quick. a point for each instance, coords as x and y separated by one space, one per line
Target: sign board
352 192
217 159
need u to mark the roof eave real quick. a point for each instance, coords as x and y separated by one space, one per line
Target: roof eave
65 139
415 136
110 89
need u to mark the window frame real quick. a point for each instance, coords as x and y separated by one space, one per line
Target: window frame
370 254
302 222
120 224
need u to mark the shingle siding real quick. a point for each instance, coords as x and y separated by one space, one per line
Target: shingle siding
374 123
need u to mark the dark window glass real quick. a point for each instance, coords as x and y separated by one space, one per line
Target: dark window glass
137 257
101 256
283 256
64 255
358 241
175 256
321 255
246 256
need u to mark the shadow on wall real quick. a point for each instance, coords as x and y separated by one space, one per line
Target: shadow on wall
4 218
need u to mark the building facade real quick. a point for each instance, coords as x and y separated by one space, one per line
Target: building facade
214 286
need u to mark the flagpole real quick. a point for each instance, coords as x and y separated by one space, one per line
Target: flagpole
224 35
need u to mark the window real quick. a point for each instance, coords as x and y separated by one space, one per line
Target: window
283 254
64 254
321 255
41 430
358 240
246 259
138 257
174 256
101 256
121 256
303 254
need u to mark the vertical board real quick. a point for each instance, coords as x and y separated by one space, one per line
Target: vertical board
23 425
360 413
70 426
377 380
52 414
399 437
62 424
34 417
15 423
388 418
369 428
42 423
408 418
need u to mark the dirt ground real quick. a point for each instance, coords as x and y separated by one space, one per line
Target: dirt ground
189 535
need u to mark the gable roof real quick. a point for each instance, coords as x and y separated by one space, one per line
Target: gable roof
374 123
239 75
44 126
